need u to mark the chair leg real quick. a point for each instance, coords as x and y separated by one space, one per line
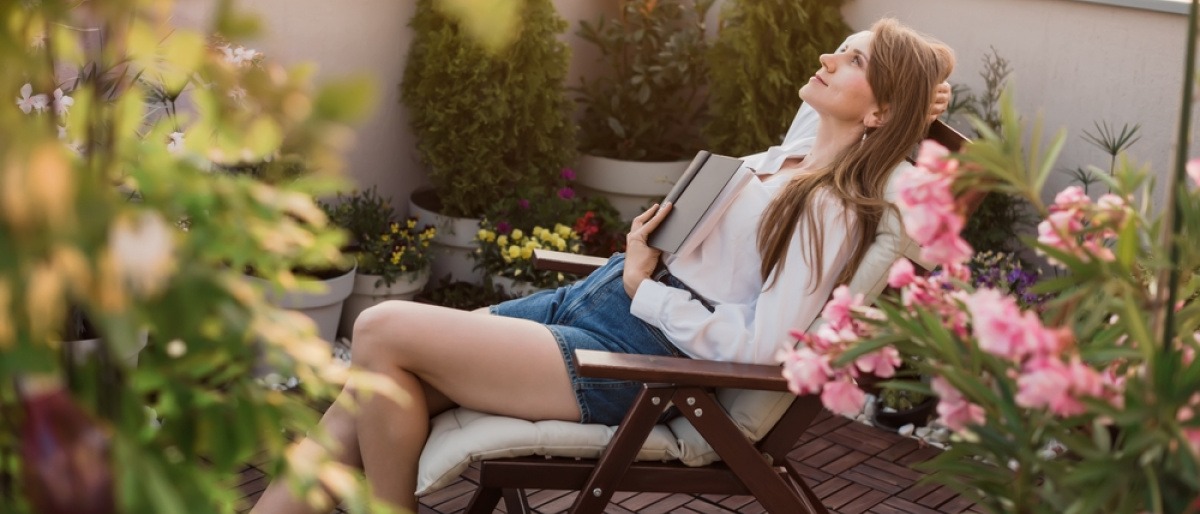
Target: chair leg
515 501
484 501
707 416
621 450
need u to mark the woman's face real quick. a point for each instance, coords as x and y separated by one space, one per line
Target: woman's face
839 90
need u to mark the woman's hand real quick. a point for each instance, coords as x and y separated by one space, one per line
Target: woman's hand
640 257
941 101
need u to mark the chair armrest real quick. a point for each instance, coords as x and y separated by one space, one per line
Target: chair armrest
679 371
566 262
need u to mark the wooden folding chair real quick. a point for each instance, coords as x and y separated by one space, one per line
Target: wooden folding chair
746 466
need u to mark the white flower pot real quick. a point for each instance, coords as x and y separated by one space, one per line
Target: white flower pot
81 350
365 294
514 287
324 307
451 248
630 186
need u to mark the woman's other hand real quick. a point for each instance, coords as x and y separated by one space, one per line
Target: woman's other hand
941 101
640 257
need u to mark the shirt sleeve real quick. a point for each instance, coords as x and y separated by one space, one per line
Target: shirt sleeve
754 331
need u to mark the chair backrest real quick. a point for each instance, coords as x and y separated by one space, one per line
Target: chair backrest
757 412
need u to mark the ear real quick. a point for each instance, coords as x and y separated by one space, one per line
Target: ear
877 117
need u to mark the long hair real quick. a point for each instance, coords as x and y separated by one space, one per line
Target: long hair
905 68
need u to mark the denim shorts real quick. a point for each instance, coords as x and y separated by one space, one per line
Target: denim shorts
593 314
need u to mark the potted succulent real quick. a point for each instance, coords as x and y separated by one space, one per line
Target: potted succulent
487 121
752 85
392 254
640 121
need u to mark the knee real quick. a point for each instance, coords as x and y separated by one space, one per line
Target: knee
377 337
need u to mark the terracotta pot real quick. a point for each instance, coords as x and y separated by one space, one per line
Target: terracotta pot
366 293
451 248
630 186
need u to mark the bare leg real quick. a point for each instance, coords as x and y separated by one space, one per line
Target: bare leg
442 357
489 363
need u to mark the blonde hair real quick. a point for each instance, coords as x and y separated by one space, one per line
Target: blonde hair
905 69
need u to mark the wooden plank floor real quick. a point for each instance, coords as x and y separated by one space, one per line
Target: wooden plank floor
853 468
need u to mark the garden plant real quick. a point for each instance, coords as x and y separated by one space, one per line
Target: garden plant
111 204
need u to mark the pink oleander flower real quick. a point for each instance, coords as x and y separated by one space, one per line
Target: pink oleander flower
901 274
1050 383
1193 170
953 408
566 193
1070 198
997 322
805 370
947 248
837 311
881 363
842 396
935 158
567 174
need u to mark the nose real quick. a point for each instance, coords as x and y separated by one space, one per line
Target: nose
827 61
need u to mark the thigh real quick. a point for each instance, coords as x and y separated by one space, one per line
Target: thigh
493 364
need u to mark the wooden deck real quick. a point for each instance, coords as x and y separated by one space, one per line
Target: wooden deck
852 467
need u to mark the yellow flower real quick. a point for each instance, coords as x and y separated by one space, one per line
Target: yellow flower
514 251
526 252
412 223
575 248
562 230
395 228
561 245
517 234
502 241
385 238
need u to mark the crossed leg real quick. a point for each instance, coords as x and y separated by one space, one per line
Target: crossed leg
441 358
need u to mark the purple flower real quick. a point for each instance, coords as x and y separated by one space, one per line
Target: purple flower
503 227
567 174
523 204
566 193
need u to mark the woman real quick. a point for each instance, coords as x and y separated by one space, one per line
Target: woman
786 241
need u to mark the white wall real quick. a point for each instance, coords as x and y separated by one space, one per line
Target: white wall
369 38
1077 63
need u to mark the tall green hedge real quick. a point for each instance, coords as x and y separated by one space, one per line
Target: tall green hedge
488 124
764 52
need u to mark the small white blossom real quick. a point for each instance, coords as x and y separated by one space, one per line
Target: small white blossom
143 249
62 102
176 348
175 145
239 55
29 103
237 94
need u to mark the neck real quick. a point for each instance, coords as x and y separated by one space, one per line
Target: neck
832 137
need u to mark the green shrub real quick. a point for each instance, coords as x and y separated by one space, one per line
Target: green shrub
763 53
488 123
649 104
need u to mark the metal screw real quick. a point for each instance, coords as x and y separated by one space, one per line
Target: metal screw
596 492
655 400
691 401
699 413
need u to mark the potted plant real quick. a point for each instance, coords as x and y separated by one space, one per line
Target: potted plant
752 84
640 121
487 122
392 254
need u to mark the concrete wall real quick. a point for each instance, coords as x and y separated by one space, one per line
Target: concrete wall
370 38
1074 62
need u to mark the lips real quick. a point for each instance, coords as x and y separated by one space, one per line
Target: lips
821 80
